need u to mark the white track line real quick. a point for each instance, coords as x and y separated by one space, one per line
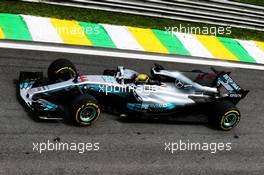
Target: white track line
193 45
252 48
122 38
41 29
124 54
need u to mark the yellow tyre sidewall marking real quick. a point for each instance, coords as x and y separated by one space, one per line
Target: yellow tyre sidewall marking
223 119
66 68
87 105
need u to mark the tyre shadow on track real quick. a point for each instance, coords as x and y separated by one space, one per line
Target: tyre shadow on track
189 118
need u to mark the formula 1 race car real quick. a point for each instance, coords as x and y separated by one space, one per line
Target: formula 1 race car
131 93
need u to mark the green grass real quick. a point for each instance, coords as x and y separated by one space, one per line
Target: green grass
254 2
98 16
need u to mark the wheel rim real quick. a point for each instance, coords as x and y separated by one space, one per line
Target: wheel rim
230 120
87 114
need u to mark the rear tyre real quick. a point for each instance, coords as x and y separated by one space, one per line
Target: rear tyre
85 110
225 115
61 69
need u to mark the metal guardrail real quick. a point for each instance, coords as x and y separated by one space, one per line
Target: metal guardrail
216 12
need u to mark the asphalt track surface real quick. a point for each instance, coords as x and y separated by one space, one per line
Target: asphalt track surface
130 147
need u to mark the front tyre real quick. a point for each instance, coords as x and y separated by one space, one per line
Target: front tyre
225 115
85 110
61 69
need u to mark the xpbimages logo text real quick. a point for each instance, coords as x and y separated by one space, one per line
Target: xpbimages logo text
199 30
187 145
79 147
147 89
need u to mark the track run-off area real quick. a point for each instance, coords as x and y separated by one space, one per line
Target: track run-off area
126 147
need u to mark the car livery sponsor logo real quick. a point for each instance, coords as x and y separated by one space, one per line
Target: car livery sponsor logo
83 78
235 95
228 80
151 106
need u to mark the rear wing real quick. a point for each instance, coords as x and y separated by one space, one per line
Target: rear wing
235 92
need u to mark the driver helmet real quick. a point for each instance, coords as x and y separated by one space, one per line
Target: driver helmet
142 78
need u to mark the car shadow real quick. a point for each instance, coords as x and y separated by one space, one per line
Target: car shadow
168 120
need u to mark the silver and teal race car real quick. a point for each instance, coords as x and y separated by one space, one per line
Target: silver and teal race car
164 92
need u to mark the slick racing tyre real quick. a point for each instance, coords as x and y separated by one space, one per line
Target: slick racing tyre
85 110
61 69
225 115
